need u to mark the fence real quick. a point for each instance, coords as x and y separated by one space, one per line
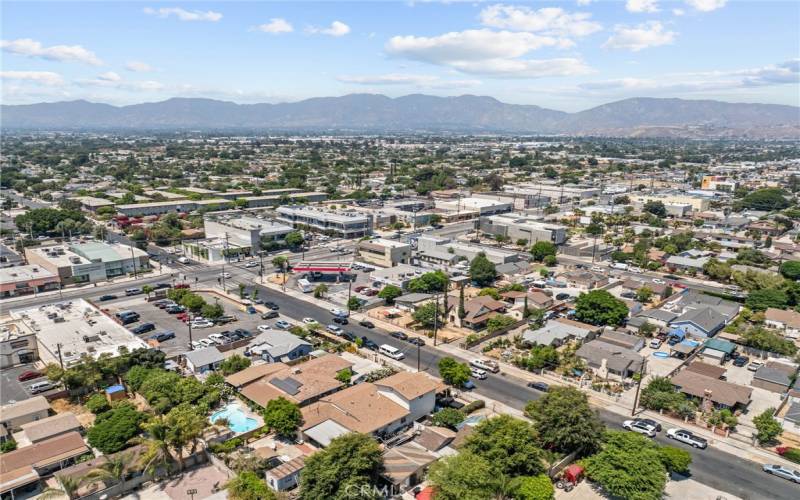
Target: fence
489 336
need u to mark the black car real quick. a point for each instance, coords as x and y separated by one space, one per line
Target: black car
372 346
563 296
416 341
539 386
272 306
349 336
107 297
340 320
366 324
399 335
244 333
671 277
162 336
269 315
175 309
741 361
232 336
159 286
144 328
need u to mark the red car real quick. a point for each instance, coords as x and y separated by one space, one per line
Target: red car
184 316
29 375
182 285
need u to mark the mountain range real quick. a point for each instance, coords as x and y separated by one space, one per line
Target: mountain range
634 117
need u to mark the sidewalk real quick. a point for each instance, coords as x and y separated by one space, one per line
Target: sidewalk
598 400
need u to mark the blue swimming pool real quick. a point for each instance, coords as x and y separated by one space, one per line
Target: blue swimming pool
661 354
238 421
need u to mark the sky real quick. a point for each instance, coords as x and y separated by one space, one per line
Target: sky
567 55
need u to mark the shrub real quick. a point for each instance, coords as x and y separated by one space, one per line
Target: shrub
97 403
473 406
448 417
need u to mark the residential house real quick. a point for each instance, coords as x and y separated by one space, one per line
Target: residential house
719 393
607 359
536 299
619 339
713 371
560 331
586 280
659 318
49 427
415 392
685 263
276 346
406 465
774 377
13 416
286 475
412 301
478 311
203 360
786 320
634 285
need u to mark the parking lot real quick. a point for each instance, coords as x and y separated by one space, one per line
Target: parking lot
13 389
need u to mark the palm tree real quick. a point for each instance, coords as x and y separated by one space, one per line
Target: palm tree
67 486
112 471
156 456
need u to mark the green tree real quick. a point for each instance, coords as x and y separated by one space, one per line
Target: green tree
248 485
97 404
791 270
599 307
320 290
8 445
660 394
448 417
427 315
353 304
761 300
295 239
542 249
352 462
498 322
675 459
644 294
430 282
233 364
68 486
509 444
283 417
768 428
717 270
184 426
491 292
538 487
193 302
550 260
767 199
279 261
389 293
565 422
147 290
656 208
763 339
629 466
482 271
345 376
112 430
212 311
453 372
462 313
463 477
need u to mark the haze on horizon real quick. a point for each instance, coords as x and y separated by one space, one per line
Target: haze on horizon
565 55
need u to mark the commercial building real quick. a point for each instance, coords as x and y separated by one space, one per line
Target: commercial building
698 204
448 252
344 224
383 252
718 183
24 280
232 236
273 200
515 226
89 261
177 206
480 206
68 330
17 344
537 195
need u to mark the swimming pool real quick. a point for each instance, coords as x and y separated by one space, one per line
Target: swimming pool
661 354
238 421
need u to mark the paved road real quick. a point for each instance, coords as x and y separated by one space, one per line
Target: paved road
25 201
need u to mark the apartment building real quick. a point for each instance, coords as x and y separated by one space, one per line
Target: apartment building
516 226
344 224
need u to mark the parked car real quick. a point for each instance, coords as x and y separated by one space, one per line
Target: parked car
163 336
144 328
201 324
29 375
183 260
478 373
339 312
781 471
367 343
659 281
263 328
741 361
649 422
225 319
655 343
563 296
272 306
341 321
39 387
309 321
160 286
104 298
349 336
270 315
282 324
754 366
366 324
416 341
468 385
197 345
370 292
218 338
334 329
399 335
539 386
687 437
243 333
252 263
175 309
641 428
133 291
206 342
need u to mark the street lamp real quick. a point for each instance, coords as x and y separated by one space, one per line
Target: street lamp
191 345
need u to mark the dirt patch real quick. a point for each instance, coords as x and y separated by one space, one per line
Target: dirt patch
84 416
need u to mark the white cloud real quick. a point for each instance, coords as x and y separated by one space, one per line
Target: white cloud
636 38
549 20
64 53
706 5
111 79
183 14
138 67
678 12
36 77
337 28
276 25
641 5
427 81
584 2
487 52
109 76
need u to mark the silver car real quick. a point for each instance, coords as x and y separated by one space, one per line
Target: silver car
687 437
781 471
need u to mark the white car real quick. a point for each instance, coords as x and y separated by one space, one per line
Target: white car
201 324
196 344
334 329
597 269
217 338
781 471
183 260
225 275
640 427
252 263
478 373
309 321
659 281
338 312
687 437
263 328
206 342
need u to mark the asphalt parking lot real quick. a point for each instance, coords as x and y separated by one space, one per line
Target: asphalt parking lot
13 389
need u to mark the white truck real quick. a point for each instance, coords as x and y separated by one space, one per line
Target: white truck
305 285
620 265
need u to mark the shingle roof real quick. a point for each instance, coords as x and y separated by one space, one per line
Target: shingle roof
360 408
410 385
204 357
773 375
706 318
51 426
24 407
722 392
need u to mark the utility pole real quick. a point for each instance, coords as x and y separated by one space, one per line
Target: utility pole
191 345
435 319
224 259
133 258
418 356
638 388
60 359
285 262
261 267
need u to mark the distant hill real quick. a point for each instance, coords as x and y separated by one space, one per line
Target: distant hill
372 112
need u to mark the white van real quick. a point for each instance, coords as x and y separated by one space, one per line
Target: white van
478 373
392 352
305 285
620 265
41 387
483 364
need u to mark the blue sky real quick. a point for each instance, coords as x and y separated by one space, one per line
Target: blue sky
567 55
